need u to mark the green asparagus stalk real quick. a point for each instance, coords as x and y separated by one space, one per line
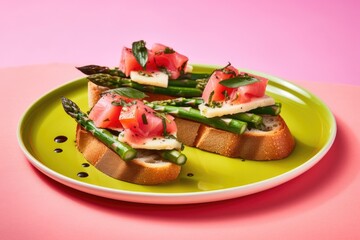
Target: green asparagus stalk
125 151
195 101
252 119
180 102
185 81
107 80
227 124
174 156
198 83
269 110
94 69
194 76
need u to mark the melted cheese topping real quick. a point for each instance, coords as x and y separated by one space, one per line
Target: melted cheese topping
158 143
228 109
154 78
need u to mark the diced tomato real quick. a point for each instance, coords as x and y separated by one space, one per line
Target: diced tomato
242 94
160 57
143 122
129 63
214 89
158 48
245 93
168 58
105 113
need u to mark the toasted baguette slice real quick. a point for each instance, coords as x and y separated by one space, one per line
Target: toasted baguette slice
94 93
147 169
276 142
272 143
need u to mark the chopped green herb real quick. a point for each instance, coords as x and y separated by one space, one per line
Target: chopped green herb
164 70
165 133
168 50
226 94
144 119
239 80
128 92
145 74
140 52
164 121
211 97
120 102
228 71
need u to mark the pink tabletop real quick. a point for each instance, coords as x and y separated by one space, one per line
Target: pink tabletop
312 43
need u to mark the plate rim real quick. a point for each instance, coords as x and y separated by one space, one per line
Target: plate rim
189 197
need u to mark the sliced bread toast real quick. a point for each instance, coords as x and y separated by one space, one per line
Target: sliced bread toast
273 142
147 168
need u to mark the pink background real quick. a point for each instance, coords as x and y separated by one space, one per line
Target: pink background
315 44
312 40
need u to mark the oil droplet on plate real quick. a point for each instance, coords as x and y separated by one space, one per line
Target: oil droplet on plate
60 139
58 150
85 165
82 174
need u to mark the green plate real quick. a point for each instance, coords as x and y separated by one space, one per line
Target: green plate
205 177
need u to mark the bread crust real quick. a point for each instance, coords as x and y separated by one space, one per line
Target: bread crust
275 144
139 170
94 93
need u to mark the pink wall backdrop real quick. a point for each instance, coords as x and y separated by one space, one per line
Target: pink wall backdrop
306 40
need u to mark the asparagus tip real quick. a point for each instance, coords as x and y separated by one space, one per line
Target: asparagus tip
69 106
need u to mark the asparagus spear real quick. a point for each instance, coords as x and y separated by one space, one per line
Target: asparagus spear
194 76
188 80
195 101
189 83
125 151
270 110
181 101
252 118
107 80
93 69
227 124
174 156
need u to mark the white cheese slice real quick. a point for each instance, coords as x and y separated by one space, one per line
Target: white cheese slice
188 69
228 109
158 143
153 78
